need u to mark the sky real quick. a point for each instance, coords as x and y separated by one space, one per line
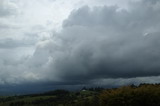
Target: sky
50 44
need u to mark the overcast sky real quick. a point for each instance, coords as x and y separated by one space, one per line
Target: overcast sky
79 43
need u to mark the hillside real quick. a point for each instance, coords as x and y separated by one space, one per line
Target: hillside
142 95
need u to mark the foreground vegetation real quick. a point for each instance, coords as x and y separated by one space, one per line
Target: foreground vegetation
142 95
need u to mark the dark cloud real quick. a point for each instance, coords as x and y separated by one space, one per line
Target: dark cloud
105 44
108 42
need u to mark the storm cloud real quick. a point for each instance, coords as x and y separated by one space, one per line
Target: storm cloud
108 42
97 44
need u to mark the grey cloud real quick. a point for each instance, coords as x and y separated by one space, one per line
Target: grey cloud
12 43
98 16
105 42
7 8
98 43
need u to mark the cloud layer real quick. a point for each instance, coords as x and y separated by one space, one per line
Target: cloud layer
96 44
